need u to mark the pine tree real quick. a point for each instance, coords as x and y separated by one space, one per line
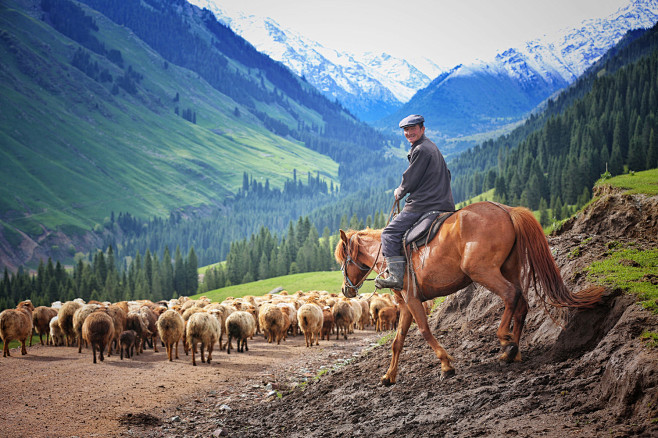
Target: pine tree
637 157
544 218
168 289
180 275
192 266
652 151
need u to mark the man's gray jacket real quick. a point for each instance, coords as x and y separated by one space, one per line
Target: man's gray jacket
427 179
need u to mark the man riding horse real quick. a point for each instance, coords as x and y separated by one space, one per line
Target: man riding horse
427 182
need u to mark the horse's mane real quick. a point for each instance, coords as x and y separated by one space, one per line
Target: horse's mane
368 232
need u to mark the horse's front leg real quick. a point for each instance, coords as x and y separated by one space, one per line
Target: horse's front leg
398 343
418 312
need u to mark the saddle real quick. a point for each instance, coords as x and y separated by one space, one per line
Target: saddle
419 235
425 228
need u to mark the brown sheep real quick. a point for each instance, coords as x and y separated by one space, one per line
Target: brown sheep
16 324
343 317
223 311
151 319
170 326
377 303
292 314
202 328
79 318
240 325
328 322
65 318
135 321
127 342
272 323
388 318
123 305
310 320
287 320
356 307
119 319
41 322
365 314
98 331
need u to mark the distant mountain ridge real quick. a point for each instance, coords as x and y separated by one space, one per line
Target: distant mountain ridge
487 94
370 85
478 97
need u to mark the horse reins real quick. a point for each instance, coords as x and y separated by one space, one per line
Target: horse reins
361 266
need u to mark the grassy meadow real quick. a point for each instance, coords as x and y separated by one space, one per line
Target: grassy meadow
326 280
124 152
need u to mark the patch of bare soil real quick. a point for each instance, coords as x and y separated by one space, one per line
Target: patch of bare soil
593 377
56 392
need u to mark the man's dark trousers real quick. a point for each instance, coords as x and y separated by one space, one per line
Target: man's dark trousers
394 231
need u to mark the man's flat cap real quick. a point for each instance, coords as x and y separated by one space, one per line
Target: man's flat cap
411 120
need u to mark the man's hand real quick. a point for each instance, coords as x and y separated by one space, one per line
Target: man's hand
398 193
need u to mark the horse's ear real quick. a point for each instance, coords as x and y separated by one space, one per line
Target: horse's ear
343 236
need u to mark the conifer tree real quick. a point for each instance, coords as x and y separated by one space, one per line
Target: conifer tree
180 275
192 266
652 151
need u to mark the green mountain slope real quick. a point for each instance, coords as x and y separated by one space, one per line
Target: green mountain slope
85 132
72 152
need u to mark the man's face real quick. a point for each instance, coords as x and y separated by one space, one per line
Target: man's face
413 133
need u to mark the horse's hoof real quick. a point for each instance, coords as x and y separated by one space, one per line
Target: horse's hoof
386 381
510 353
447 374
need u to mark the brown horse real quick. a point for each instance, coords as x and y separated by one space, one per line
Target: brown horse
502 248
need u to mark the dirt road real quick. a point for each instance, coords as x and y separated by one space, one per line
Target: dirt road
54 391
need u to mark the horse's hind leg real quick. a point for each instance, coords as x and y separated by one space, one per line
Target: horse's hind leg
515 306
398 343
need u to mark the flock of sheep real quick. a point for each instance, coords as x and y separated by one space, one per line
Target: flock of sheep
127 327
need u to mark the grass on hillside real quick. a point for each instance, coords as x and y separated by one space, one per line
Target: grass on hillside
486 196
628 268
645 182
326 280
632 270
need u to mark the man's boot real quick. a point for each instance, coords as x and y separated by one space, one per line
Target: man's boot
395 269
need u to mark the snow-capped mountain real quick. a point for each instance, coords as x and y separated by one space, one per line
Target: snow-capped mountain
487 94
569 53
370 85
465 99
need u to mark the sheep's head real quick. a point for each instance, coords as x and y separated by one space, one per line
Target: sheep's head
27 304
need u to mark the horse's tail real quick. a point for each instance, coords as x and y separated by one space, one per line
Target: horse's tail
539 267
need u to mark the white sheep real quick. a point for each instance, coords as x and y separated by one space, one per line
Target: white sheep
79 318
65 319
204 328
57 336
240 325
310 320
171 326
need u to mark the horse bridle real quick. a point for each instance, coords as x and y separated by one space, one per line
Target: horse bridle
358 264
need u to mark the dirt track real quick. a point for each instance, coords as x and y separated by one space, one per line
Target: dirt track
54 391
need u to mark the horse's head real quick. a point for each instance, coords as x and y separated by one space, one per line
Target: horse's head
354 272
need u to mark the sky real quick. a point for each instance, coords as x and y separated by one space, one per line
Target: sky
448 32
